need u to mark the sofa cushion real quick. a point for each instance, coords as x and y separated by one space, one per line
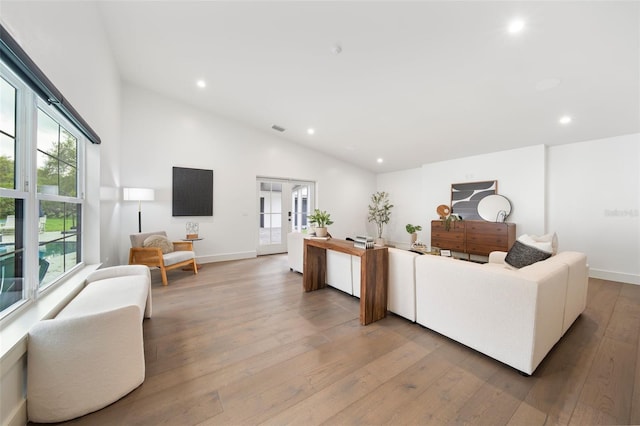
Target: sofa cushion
178 256
521 254
107 295
159 241
137 240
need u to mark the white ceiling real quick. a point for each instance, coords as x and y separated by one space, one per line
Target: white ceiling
416 82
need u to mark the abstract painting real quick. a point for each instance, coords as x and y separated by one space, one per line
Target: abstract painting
466 196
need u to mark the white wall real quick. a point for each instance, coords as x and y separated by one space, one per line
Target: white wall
159 133
406 193
593 203
417 193
588 193
66 42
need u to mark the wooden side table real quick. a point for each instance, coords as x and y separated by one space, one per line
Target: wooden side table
198 265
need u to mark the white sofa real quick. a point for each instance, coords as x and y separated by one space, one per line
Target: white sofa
401 290
295 255
514 316
92 353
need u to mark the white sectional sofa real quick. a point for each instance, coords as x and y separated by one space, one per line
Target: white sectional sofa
401 290
92 353
295 255
514 316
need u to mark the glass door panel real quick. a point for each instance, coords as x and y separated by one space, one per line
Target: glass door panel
300 207
283 207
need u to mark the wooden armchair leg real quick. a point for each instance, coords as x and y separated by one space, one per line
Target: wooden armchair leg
195 267
163 271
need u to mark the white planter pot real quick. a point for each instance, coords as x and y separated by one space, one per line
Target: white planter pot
321 232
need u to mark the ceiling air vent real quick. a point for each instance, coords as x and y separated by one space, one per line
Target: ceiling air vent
278 128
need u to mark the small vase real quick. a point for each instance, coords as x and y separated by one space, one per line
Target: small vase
414 237
321 232
379 242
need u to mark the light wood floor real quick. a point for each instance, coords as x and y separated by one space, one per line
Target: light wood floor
241 343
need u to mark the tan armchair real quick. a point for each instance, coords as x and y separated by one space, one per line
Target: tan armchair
182 256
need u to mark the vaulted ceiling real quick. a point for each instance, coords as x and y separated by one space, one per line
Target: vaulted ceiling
407 82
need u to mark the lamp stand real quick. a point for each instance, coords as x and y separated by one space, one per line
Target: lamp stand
139 216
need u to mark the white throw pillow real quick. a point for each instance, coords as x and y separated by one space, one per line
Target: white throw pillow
159 241
548 238
533 241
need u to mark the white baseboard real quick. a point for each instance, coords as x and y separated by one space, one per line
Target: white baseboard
615 276
226 256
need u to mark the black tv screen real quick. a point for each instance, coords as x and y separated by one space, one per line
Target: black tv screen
192 192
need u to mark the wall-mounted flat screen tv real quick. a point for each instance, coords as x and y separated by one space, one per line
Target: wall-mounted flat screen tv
192 192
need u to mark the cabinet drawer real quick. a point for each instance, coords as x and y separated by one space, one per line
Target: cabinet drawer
487 228
448 244
444 235
454 228
488 239
484 249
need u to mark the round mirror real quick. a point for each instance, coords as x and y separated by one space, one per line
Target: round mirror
494 208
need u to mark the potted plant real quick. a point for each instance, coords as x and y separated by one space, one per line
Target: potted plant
320 220
413 231
380 212
447 220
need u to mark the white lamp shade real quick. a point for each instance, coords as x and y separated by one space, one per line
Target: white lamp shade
138 194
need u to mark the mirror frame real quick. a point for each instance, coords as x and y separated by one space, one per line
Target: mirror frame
491 207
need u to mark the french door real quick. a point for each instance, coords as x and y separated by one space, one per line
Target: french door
283 207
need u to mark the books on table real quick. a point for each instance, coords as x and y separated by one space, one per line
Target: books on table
363 242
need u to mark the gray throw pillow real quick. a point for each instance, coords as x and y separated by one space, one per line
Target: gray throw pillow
159 241
522 255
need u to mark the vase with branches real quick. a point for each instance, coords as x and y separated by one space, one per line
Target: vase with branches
380 211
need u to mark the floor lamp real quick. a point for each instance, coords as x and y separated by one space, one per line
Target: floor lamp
139 195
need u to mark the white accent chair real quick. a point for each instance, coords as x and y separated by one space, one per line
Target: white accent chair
182 255
92 353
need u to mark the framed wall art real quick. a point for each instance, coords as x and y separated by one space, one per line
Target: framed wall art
466 196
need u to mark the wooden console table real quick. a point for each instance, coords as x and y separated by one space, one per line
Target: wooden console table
373 274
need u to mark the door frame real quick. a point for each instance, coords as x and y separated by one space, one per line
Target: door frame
286 211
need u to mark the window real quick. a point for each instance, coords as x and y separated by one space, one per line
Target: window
41 223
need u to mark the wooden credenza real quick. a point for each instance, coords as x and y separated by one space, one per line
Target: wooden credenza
374 267
473 236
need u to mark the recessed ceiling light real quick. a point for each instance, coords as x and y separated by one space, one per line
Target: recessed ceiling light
201 84
516 26
380 160
310 131
565 119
